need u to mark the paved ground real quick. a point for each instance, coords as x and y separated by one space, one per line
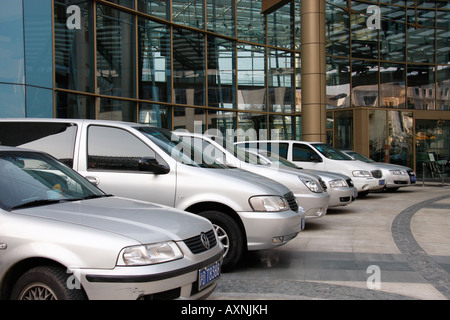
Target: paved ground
399 241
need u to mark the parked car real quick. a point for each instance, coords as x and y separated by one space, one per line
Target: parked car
148 163
340 187
63 238
396 176
321 156
307 187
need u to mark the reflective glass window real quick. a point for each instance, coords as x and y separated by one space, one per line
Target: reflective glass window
12 102
443 19
113 109
421 91
191 119
39 102
392 85
189 13
250 21
12 58
377 135
221 73
337 31
154 61
338 83
74 106
364 83
401 138
280 26
281 127
252 125
189 67
392 37
443 46
220 17
251 78
38 43
443 88
343 129
74 57
155 114
364 38
124 3
224 121
115 52
158 8
420 45
281 81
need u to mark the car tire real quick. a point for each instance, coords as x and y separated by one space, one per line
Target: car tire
230 235
46 283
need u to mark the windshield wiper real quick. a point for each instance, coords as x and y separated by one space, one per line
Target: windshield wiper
36 203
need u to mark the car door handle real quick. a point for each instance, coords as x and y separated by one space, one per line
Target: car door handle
94 180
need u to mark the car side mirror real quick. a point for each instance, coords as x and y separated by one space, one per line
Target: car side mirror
315 158
150 164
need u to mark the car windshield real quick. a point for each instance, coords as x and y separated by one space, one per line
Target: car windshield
331 152
358 156
178 149
276 159
30 179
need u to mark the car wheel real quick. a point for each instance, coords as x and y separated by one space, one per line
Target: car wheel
229 235
46 283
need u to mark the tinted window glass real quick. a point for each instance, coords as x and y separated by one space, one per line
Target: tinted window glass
115 149
57 139
301 152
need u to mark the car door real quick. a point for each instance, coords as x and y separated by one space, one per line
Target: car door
111 161
306 157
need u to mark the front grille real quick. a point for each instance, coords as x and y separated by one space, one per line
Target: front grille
350 182
195 244
377 174
291 201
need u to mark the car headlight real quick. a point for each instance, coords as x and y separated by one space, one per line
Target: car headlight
338 183
312 184
269 203
142 255
397 172
362 174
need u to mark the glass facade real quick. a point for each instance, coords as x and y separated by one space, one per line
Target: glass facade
225 64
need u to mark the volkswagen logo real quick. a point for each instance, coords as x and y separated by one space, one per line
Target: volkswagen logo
205 241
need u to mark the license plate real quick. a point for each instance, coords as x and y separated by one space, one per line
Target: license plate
381 182
208 275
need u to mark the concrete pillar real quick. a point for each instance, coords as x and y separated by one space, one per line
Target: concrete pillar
313 72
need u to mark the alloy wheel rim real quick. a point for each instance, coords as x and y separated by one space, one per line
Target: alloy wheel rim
37 291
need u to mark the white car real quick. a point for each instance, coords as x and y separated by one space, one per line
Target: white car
307 187
340 187
396 176
61 238
321 156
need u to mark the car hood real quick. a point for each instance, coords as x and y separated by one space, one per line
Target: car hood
391 166
142 221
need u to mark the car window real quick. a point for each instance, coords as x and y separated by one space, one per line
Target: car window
331 152
275 147
302 152
115 149
57 139
30 179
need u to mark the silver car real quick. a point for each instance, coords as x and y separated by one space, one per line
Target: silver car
396 176
63 238
340 187
307 187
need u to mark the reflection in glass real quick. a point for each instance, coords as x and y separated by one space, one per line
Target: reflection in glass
12 102
221 73
158 9
421 91
281 127
250 21
337 26
392 87
443 46
223 121
154 61
343 130
74 106
188 13
253 126
338 83
191 119
74 61
39 102
189 67
392 37
443 88
155 114
364 83
401 138
119 110
115 52
421 45
364 40
377 135
251 78
220 17
281 81
11 43
280 27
